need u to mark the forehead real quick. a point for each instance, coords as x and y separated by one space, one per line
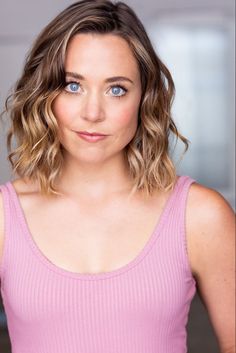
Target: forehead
103 52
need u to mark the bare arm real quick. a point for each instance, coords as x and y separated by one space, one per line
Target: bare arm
210 223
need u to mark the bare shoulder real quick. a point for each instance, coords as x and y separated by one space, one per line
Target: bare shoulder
208 207
210 222
210 228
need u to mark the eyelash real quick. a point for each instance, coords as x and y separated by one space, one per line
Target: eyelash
113 86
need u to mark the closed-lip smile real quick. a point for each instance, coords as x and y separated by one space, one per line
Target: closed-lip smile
91 133
91 136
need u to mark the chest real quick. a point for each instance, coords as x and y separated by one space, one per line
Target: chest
92 238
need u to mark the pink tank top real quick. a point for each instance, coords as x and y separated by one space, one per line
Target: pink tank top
141 307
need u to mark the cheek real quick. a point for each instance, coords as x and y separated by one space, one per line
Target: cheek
62 110
127 117
128 114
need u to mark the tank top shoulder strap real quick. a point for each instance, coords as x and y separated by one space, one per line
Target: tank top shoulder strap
10 205
179 201
182 188
6 198
177 220
178 198
10 220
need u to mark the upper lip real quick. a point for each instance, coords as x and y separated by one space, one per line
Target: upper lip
91 133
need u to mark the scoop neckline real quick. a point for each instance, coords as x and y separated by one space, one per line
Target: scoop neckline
100 275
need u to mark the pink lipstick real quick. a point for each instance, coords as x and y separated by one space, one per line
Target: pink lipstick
91 137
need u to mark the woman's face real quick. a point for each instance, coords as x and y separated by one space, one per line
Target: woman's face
102 95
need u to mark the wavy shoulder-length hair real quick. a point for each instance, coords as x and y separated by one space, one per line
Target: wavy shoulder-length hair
38 154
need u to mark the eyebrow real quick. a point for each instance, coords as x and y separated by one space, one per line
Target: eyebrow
107 80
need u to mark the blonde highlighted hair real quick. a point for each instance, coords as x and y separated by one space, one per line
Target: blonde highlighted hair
39 155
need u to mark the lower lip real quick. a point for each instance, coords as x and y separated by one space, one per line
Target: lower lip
91 138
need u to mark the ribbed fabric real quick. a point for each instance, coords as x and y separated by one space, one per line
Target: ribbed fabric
141 307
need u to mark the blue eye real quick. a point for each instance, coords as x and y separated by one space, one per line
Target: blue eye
118 91
72 87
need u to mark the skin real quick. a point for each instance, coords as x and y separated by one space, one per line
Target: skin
93 105
98 171
210 230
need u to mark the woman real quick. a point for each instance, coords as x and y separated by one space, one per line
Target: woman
102 244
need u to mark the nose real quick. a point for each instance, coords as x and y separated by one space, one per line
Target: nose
92 107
